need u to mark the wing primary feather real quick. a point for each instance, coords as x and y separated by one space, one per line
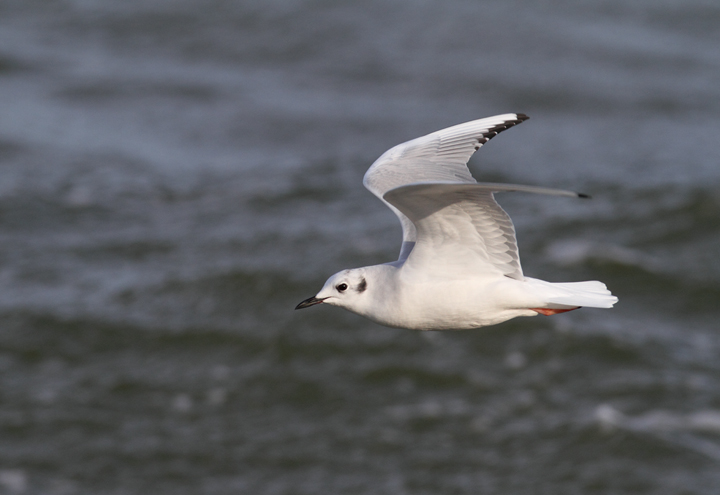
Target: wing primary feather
484 186
497 187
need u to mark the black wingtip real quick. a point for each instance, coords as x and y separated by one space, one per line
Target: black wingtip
498 128
584 196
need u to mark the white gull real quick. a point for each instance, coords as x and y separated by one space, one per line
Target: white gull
459 266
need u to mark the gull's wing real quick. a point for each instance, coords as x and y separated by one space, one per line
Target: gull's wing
460 228
438 157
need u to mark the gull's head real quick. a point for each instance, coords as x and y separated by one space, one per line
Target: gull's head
345 289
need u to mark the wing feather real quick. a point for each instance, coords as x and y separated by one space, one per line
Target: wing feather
460 228
441 156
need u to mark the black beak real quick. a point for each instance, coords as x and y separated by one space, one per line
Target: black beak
312 301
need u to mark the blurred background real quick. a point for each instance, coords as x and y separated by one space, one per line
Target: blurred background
175 176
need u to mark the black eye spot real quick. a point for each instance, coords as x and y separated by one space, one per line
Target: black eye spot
341 287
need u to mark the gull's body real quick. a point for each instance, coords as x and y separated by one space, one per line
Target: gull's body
459 266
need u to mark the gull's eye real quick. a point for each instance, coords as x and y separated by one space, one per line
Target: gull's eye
341 287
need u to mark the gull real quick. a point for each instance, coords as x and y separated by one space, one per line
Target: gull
459 266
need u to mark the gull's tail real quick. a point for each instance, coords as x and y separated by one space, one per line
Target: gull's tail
571 295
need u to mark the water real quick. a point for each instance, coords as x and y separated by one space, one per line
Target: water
176 176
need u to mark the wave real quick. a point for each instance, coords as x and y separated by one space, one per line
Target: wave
698 431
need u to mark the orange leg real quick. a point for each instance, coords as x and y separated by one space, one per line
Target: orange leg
550 311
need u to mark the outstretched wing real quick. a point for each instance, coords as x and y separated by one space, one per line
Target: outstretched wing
441 156
460 228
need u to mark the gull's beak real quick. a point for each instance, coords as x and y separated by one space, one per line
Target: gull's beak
312 301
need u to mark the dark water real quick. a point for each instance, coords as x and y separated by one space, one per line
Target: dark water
176 175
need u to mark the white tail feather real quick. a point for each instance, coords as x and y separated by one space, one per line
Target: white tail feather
589 294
